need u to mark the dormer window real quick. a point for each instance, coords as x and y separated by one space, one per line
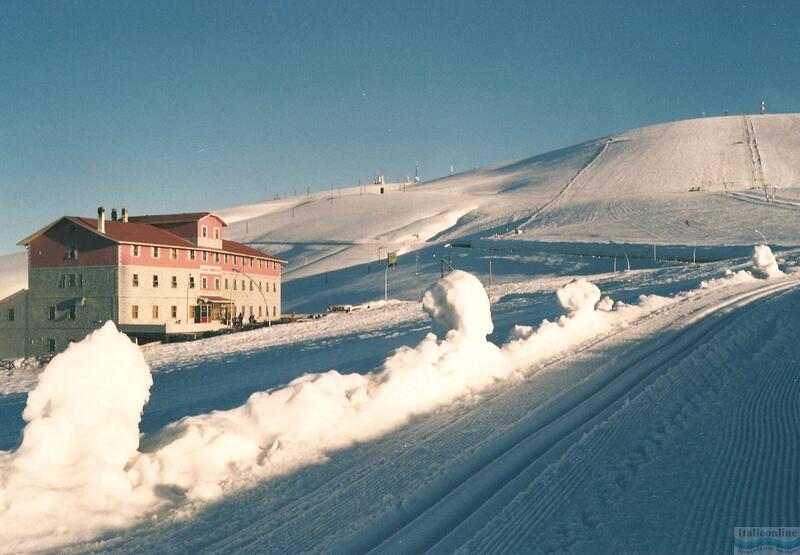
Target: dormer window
216 233
72 252
204 232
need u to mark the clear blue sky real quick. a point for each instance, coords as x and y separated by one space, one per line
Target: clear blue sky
179 106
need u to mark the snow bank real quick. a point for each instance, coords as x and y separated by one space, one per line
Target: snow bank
82 428
78 470
764 263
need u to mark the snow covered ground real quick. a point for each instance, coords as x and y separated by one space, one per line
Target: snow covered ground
574 406
523 432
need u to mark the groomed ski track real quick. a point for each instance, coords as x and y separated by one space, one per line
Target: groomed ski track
461 477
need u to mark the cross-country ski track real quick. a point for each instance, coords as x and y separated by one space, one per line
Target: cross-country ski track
521 455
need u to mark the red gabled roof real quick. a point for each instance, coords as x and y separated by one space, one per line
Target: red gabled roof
132 232
138 232
173 218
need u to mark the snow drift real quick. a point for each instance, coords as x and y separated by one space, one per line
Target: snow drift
82 428
78 470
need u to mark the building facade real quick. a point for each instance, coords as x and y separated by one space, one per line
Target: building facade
154 276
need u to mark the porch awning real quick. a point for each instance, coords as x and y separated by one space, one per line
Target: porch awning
214 300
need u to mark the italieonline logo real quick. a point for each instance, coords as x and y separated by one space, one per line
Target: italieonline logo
766 540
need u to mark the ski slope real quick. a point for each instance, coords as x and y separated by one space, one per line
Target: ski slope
631 188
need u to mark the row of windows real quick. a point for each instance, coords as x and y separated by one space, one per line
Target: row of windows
173 311
70 280
204 283
174 254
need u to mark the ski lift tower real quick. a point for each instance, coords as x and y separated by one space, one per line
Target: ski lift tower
763 108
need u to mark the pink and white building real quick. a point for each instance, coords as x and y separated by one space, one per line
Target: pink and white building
154 276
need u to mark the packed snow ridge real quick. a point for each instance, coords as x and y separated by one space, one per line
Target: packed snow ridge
80 469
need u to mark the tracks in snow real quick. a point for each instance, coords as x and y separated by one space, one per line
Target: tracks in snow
569 184
754 155
447 522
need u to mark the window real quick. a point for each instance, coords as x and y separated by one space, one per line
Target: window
80 280
51 345
73 280
260 311
174 254
216 257
135 312
155 280
274 312
234 285
252 261
51 313
156 252
205 256
259 263
191 282
135 250
226 259
259 286
242 285
216 284
204 231
235 260
216 233
191 255
135 280
72 253
226 283
73 313
174 282
251 286
251 310
11 315
62 280
274 287
204 283
155 312
173 311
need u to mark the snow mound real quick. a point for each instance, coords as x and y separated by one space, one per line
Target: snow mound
578 295
82 427
764 263
458 302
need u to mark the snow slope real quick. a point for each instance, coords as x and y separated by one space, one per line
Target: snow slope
632 188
